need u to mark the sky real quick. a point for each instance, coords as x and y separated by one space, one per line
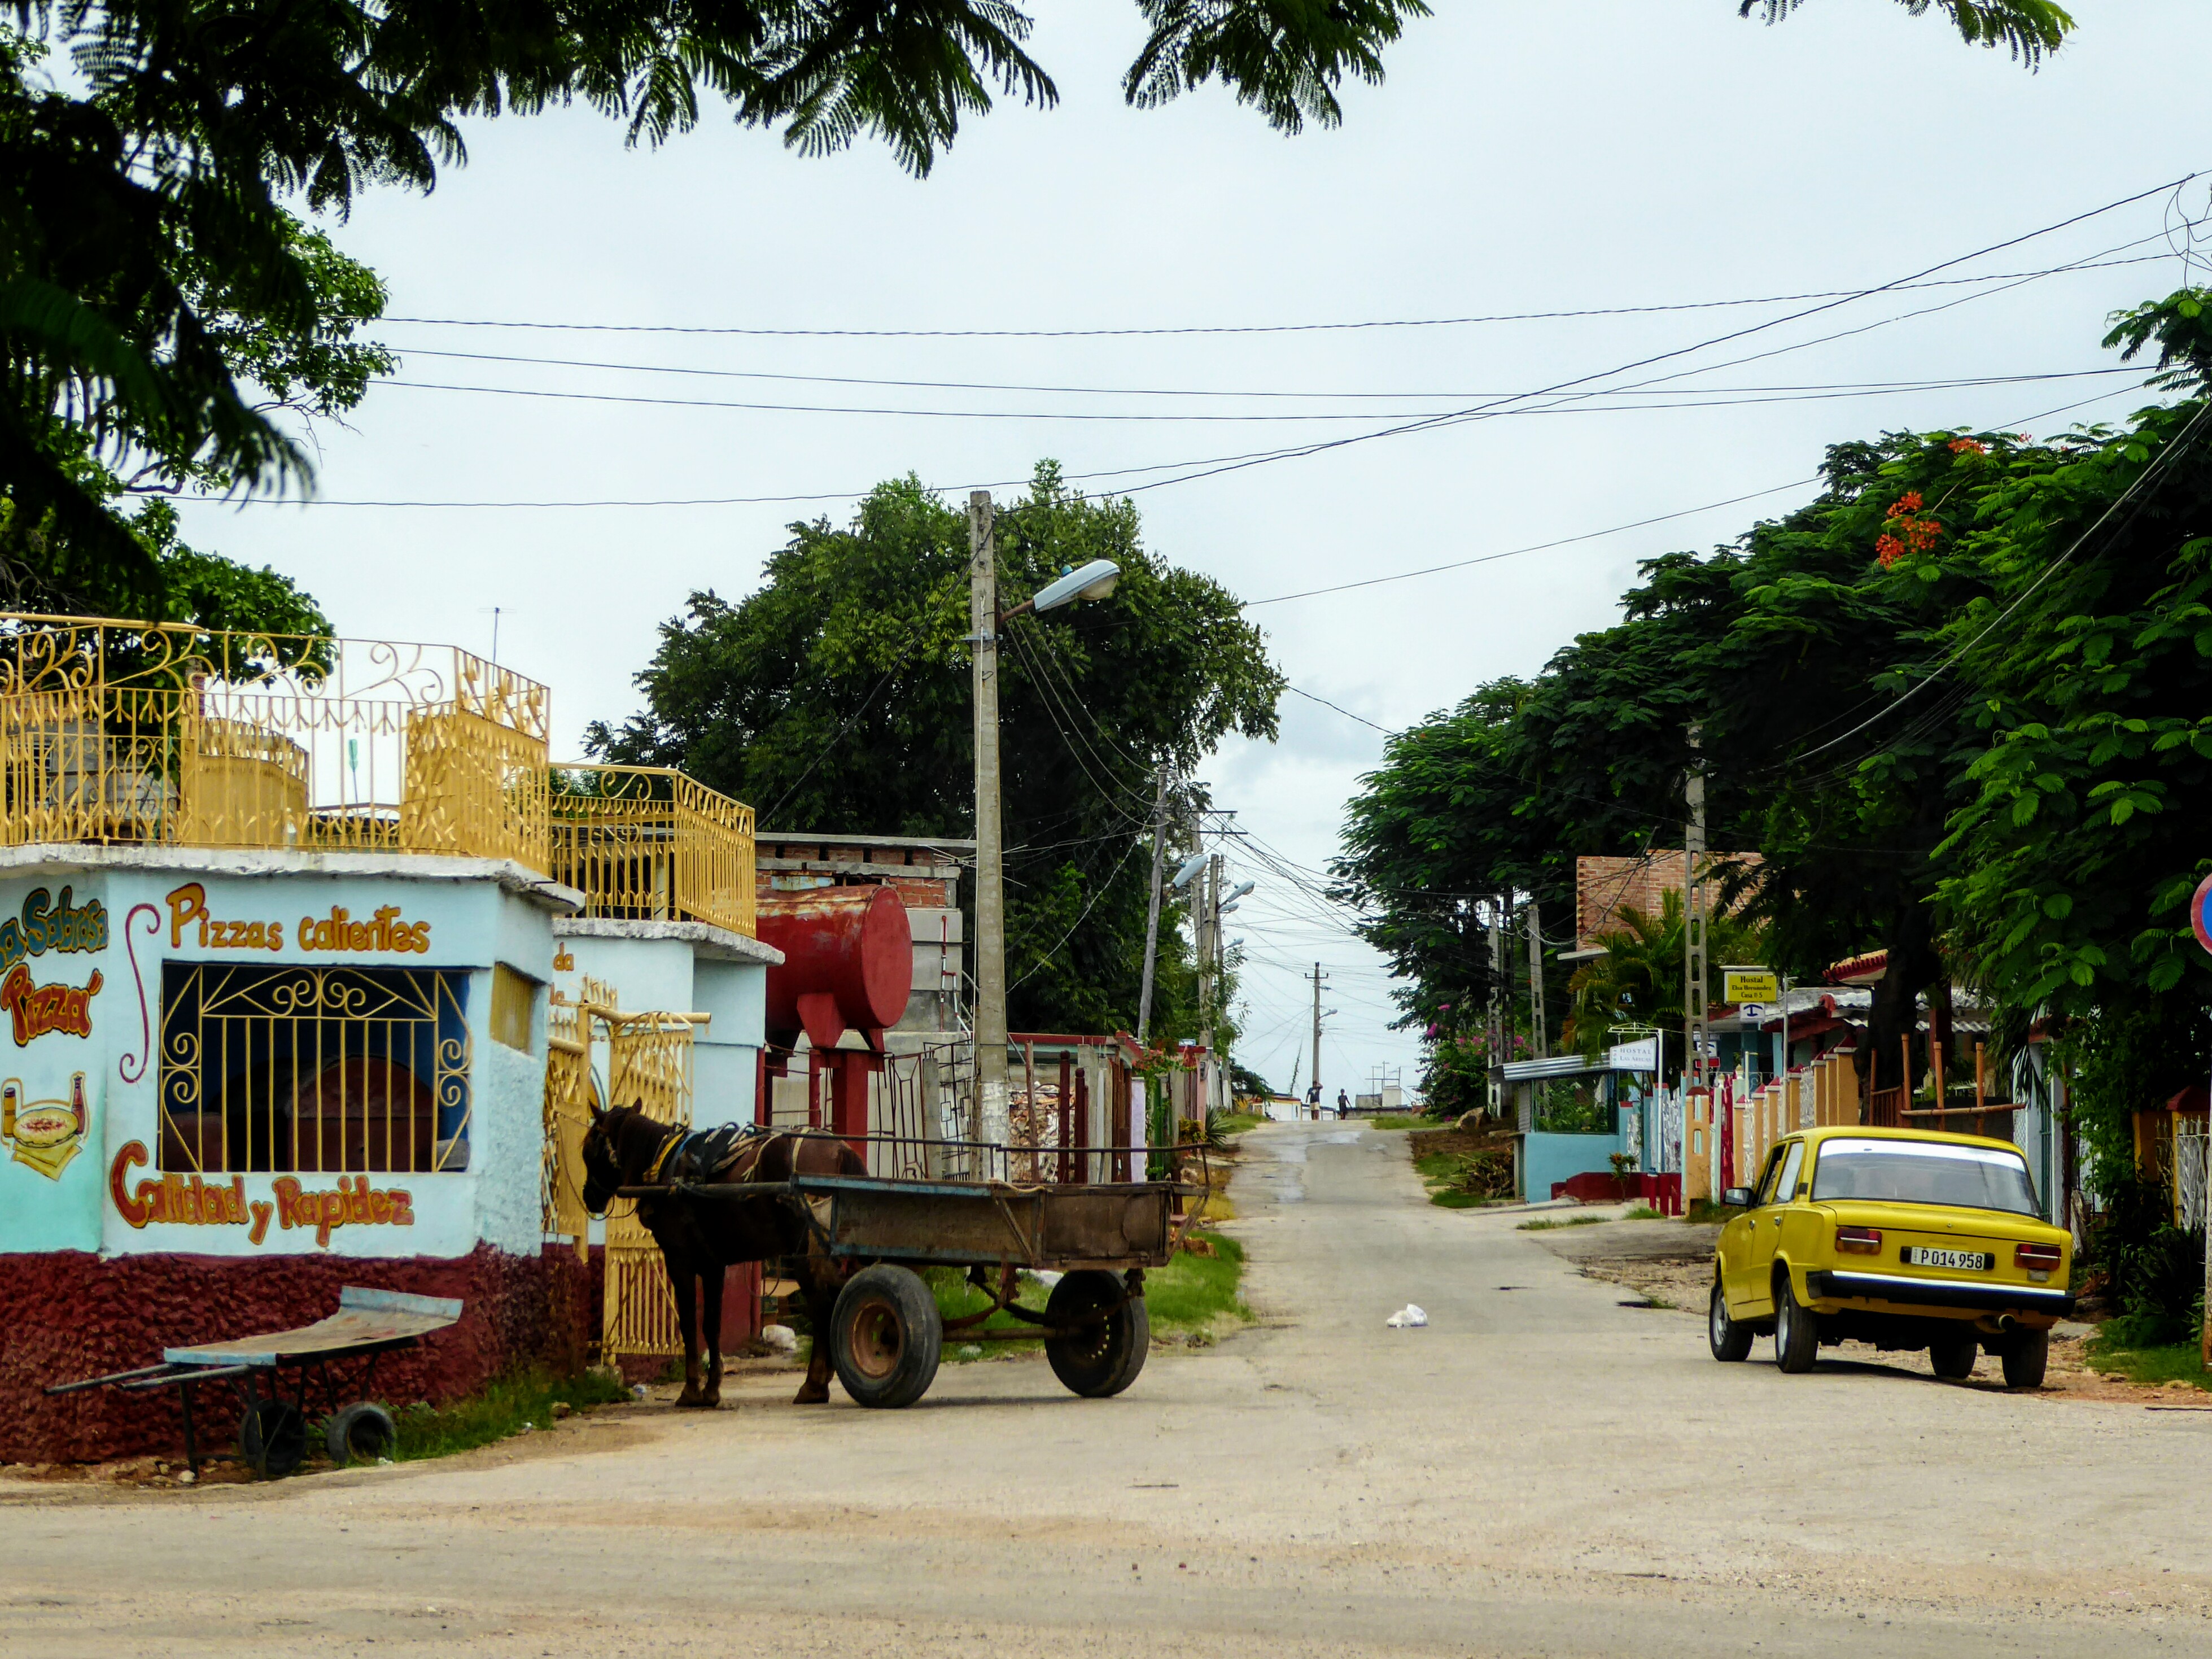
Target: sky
1614 155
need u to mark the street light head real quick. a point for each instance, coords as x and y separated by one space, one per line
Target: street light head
1188 872
1227 908
1094 581
1238 892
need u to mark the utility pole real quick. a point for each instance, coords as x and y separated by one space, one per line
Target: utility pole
1694 1000
1209 972
1316 1038
1501 977
992 1121
1537 1027
1152 914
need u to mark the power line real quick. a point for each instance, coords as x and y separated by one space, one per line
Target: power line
1258 328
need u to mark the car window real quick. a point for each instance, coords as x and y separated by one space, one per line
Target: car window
1924 1172
1766 1175
1786 1188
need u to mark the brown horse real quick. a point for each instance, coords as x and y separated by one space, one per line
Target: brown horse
699 1237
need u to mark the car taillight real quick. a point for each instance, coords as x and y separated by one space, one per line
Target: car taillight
2037 1256
1859 1241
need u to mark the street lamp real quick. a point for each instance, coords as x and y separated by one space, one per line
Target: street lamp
1188 872
1095 580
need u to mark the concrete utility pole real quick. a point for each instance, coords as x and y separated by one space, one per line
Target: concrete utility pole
1152 914
1694 1000
1209 974
1494 1027
1536 1025
1316 1033
991 1120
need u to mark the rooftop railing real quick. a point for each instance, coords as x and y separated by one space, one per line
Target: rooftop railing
647 843
133 732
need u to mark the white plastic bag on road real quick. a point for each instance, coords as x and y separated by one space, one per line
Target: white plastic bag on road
1407 1317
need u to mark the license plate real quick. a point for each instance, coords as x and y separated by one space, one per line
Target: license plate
1972 1261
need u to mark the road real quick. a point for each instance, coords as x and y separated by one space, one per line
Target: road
1540 1471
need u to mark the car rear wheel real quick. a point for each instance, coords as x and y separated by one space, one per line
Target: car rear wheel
1796 1333
2025 1358
1731 1339
1952 1358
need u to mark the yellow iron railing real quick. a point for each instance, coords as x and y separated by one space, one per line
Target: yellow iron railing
646 843
127 732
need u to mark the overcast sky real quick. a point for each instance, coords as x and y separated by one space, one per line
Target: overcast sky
1529 157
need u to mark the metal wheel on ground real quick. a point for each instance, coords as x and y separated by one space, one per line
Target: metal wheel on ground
886 1337
272 1438
1731 1339
1796 1333
2026 1358
1953 1358
362 1433
1107 1348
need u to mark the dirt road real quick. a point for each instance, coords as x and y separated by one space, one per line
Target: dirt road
1540 1471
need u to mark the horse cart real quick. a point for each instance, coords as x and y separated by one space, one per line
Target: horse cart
331 1364
887 1335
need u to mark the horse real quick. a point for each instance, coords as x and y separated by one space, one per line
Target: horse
699 1237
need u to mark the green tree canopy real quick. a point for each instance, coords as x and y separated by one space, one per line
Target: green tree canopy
836 697
1955 702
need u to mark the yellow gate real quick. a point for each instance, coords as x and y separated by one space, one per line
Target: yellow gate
649 1065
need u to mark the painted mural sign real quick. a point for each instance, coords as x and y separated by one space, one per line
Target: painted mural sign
43 924
176 1199
338 932
45 1135
34 1010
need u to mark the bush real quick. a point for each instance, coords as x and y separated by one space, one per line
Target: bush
2154 1271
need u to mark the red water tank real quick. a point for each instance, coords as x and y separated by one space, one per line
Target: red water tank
847 963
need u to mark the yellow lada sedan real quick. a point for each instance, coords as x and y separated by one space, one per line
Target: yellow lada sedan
1904 1238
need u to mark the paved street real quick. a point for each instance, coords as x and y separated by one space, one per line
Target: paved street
1542 1470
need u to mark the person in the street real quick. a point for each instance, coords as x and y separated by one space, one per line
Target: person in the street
1313 1099
1343 1105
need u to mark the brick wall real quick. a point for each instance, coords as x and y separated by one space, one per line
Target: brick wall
1605 887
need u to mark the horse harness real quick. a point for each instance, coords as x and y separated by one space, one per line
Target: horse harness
705 1156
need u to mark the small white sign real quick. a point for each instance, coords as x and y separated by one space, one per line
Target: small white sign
1639 1056
1752 1013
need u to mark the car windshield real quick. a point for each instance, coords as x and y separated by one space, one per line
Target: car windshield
1924 1172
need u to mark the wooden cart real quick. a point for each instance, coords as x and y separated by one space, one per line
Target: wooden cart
887 1335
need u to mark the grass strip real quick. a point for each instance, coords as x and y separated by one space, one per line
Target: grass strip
1571 1221
1186 1299
505 1407
2151 1367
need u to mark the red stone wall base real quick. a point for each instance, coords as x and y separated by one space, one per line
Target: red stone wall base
70 1315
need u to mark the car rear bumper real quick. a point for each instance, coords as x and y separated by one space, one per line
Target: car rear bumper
1902 1292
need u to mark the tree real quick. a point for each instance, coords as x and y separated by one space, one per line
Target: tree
837 696
2026 28
137 217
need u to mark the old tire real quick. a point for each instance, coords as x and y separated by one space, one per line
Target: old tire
272 1438
362 1433
1105 1355
1952 1358
886 1337
2026 1358
1796 1333
1730 1338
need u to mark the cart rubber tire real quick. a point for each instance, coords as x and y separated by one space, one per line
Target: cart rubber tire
1796 1332
272 1438
886 1336
2026 1358
1952 1358
362 1433
1103 1359
1731 1339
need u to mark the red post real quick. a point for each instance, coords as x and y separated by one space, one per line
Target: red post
1117 1114
850 1069
813 1087
1082 1118
1064 1103
763 1096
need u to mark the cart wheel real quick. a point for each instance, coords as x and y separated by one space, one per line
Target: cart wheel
885 1336
362 1433
272 1438
1101 1358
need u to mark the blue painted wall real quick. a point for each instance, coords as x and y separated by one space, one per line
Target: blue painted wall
1545 1159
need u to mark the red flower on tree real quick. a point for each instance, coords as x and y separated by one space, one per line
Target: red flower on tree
1906 531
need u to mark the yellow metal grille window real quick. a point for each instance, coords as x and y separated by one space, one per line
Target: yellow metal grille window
645 843
345 1069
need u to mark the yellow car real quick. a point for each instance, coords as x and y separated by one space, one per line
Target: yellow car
1905 1238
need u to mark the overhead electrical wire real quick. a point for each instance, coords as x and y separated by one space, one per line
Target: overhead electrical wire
1577 313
